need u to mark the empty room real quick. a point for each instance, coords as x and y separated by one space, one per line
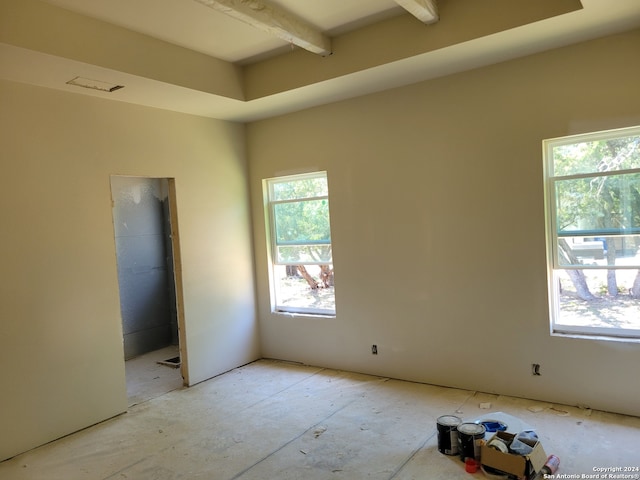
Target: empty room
286 239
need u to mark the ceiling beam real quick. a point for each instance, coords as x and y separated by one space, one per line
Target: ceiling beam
424 10
275 21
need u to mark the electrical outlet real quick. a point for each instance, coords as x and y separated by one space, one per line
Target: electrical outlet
535 369
374 349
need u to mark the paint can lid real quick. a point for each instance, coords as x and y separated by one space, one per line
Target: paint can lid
449 420
472 429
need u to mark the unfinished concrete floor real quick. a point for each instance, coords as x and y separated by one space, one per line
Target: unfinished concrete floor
275 420
147 379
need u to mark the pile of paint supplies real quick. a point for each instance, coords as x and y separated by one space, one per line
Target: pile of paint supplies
498 444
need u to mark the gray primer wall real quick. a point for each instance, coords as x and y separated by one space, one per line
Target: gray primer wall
140 208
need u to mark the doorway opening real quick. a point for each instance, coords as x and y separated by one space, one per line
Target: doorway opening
148 258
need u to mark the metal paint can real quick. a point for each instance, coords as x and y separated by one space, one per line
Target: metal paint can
448 434
470 437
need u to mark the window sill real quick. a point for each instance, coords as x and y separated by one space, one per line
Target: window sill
303 314
596 336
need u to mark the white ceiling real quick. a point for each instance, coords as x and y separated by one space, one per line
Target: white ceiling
192 25
189 24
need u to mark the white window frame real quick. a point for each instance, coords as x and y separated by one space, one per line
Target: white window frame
553 264
272 245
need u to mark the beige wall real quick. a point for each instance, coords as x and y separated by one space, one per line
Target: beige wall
438 226
61 333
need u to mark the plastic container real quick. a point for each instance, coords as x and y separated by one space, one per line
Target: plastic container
471 465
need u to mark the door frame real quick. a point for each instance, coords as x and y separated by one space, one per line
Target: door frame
177 274
174 236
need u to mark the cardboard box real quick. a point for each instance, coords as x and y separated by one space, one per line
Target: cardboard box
521 466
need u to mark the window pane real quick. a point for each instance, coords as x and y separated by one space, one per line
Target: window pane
601 310
294 294
621 251
300 238
299 188
599 205
593 231
597 156
305 222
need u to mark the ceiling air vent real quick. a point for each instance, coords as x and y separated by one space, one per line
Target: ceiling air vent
94 84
